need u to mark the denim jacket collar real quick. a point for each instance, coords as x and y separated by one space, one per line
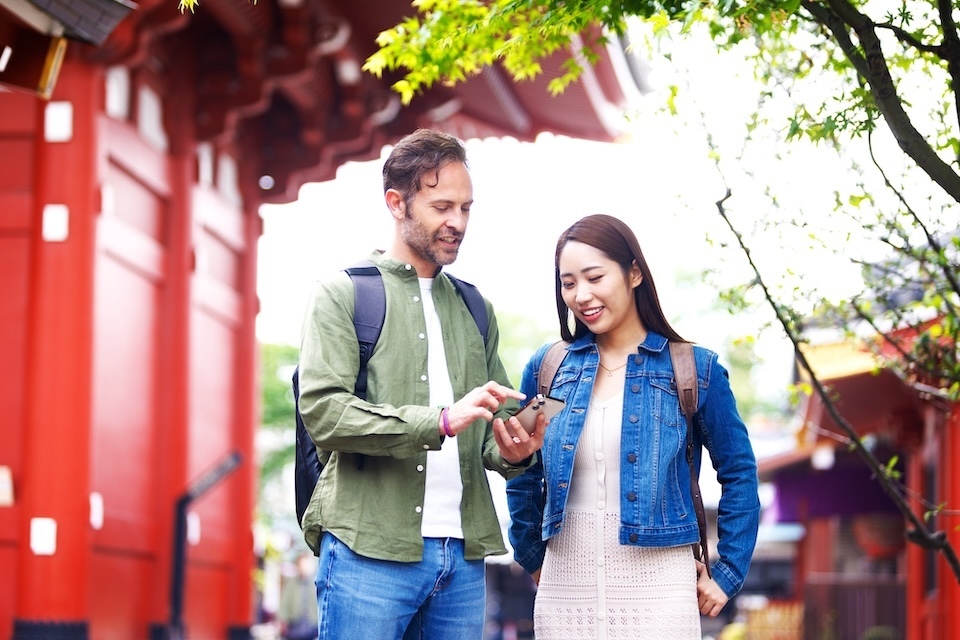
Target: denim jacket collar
654 342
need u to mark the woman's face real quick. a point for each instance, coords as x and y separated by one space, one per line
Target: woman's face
595 288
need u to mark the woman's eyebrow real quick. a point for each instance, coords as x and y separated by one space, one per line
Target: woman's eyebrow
584 270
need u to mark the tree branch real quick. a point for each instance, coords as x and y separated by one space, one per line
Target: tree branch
945 268
837 16
919 533
951 46
906 38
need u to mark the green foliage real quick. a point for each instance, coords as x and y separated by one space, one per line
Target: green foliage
451 40
519 338
277 362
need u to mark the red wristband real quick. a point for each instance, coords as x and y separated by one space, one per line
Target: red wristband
445 416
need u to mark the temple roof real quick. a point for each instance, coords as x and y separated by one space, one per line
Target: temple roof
281 82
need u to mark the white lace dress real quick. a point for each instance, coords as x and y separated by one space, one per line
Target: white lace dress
591 586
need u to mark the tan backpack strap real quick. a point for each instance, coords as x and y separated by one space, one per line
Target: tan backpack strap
685 372
685 377
549 365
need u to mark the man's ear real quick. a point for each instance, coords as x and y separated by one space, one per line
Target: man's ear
395 203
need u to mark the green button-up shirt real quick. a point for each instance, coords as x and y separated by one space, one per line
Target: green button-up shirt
370 493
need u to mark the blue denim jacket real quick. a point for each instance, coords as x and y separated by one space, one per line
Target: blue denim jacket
655 503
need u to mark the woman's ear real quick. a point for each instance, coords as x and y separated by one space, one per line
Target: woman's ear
636 277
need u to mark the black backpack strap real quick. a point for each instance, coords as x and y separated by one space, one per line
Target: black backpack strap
685 376
307 466
369 312
370 309
475 305
552 360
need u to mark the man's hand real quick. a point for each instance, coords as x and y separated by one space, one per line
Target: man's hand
479 403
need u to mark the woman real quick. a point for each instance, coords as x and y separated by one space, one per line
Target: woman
605 520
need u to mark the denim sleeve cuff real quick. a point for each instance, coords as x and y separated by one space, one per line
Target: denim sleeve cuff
532 560
725 579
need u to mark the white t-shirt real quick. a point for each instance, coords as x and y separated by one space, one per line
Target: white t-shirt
444 486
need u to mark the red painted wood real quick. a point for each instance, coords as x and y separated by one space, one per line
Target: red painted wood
17 123
56 428
950 600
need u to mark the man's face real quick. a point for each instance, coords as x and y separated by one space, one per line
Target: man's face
435 221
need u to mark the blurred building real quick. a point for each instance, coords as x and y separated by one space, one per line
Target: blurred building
854 571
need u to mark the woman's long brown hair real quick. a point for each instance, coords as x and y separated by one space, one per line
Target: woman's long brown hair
616 240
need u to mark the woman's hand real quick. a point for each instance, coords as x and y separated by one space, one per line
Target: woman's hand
516 445
710 597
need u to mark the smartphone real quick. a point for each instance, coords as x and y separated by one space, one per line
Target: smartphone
539 404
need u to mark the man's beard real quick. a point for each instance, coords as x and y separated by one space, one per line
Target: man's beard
427 245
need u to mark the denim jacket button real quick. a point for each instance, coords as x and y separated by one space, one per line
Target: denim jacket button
633 418
631 457
633 537
635 388
632 497
637 359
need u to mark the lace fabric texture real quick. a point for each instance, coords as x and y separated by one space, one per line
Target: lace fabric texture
627 593
593 587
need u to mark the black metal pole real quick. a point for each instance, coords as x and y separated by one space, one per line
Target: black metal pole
176 629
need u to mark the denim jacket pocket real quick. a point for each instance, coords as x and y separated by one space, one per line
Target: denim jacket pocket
564 381
666 401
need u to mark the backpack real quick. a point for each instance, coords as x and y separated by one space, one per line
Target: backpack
369 311
685 378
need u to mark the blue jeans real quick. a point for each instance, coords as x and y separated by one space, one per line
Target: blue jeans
441 597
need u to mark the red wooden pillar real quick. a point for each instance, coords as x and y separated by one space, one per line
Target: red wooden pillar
175 363
950 454
248 414
54 528
921 613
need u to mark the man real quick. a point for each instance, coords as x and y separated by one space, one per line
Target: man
402 515
298 611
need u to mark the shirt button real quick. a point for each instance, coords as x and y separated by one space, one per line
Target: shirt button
423 378
421 336
600 504
416 298
418 509
600 561
426 446
408 267
599 457
631 457
420 468
632 497
601 615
